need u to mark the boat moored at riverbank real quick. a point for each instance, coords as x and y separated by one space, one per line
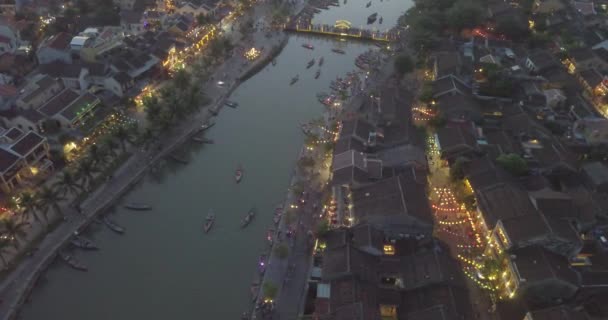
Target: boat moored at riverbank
138 206
372 18
231 104
112 225
72 262
83 243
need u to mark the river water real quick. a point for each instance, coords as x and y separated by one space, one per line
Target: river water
164 267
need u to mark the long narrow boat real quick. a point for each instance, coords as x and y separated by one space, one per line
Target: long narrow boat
83 243
231 104
248 218
73 263
113 226
294 80
339 51
321 61
368 4
318 74
137 206
308 46
209 221
206 125
238 175
262 264
310 63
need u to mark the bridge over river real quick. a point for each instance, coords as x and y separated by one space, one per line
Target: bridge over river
342 29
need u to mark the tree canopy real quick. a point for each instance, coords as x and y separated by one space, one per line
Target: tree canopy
404 64
513 163
464 14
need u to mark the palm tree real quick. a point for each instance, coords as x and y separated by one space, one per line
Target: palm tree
86 169
68 183
123 135
96 154
14 230
50 198
30 205
110 146
182 80
153 108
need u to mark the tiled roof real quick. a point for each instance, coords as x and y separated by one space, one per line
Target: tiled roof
7 90
60 41
7 159
43 84
59 102
28 142
13 133
83 102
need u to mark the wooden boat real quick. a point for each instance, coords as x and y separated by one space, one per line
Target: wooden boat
113 226
203 140
83 243
368 4
310 63
262 264
278 213
318 74
294 80
321 61
178 159
308 46
137 206
73 263
231 104
339 51
380 21
238 175
206 125
209 221
248 218
372 18
270 236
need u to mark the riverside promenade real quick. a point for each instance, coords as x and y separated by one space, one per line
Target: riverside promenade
17 285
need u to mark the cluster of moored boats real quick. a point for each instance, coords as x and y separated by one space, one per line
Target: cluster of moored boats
339 88
366 60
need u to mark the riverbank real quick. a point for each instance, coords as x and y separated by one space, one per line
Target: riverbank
18 284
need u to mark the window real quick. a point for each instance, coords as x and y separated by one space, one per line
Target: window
388 312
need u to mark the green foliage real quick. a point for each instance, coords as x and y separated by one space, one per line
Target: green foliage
404 64
539 40
203 19
437 122
306 162
270 290
426 93
464 14
322 228
457 169
513 163
282 251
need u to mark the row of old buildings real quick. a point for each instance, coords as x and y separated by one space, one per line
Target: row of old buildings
543 225
65 83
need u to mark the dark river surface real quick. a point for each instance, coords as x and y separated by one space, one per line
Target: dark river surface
164 267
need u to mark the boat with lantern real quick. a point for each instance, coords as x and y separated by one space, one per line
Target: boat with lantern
231 104
209 221
238 175
310 63
248 218
308 46
262 264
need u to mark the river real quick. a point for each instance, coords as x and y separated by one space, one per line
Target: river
164 267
